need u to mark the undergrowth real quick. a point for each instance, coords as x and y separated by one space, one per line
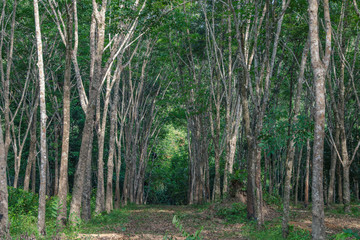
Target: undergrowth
23 215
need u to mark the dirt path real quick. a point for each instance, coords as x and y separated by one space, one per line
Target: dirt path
155 222
334 223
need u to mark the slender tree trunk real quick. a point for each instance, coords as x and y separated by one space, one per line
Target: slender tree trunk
298 176
33 177
6 91
4 218
319 67
56 180
110 164
48 178
43 117
86 195
307 173
258 188
32 152
118 168
334 156
346 182
63 175
340 185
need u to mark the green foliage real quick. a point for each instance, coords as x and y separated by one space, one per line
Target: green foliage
179 226
273 200
347 234
22 202
112 221
235 214
339 210
274 232
169 172
23 214
237 181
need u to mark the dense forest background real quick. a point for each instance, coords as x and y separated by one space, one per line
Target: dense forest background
108 103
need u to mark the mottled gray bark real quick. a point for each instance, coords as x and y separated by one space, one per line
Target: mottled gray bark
4 218
110 164
319 67
63 174
43 117
98 30
86 195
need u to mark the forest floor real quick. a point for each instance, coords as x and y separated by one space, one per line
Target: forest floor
218 221
155 222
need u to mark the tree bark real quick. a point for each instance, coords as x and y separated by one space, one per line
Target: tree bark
56 176
340 185
43 117
98 18
32 152
86 195
307 174
63 174
4 218
334 156
319 67
33 177
110 164
298 176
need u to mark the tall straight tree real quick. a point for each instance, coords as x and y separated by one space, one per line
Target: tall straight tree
40 64
63 176
319 67
4 219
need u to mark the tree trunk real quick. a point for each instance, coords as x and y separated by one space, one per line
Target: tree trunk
298 176
98 19
118 168
319 67
33 177
318 226
307 174
340 185
86 195
56 180
4 218
43 117
63 174
32 152
48 178
117 181
346 175
110 164
334 156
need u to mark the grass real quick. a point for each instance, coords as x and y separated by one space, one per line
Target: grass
114 221
338 209
272 229
220 220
